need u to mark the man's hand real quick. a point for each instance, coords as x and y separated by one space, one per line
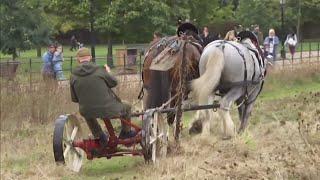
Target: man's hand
107 68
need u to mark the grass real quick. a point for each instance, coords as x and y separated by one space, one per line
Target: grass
31 63
101 51
303 81
30 156
307 46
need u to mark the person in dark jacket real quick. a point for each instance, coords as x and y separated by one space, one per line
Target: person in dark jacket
91 88
74 43
207 37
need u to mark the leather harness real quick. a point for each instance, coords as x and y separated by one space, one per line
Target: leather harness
245 82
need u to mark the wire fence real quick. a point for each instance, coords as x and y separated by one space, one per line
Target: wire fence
26 75
128 67
307 52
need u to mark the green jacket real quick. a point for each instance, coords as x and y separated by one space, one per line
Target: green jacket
90 86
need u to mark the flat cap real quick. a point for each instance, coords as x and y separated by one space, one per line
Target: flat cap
83 52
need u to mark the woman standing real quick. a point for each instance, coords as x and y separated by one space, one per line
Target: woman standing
231 36
270 45
57 61
47 67
291 42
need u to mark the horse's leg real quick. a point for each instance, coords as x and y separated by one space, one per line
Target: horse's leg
248 108
202 120
208 117
206 122
247 112
224 111
241 108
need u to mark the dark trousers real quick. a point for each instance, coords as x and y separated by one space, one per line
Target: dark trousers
96 129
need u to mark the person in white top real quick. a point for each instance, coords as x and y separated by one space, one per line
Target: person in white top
291 42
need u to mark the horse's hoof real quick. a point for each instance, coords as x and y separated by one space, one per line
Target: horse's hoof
240 131
196 127
193 131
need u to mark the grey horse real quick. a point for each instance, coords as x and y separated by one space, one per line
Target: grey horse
236 72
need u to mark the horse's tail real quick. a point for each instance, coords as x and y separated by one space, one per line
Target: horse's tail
209 80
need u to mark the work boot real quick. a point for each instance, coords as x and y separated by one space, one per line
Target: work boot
127 134
103 140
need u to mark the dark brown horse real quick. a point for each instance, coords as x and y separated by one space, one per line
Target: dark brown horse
162 69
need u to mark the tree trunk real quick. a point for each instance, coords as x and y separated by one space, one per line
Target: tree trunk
92 33
39 51
299 22
14 54
109 54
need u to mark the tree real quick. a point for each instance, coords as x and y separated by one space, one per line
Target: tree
22 26
138 16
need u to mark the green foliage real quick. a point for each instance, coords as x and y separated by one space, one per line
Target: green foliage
28 22
266 13
22 25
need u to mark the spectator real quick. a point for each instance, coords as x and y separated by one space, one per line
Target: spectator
270 46
74 43
91 88
207 37
258 33
57 63
47 68
231 36
238 28
291 42
156 36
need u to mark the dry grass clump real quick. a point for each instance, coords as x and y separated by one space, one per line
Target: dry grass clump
279 148
300 74
282 143
39 104
27 122
42 102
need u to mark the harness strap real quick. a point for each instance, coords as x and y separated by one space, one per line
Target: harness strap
141 93
259 59
254 68
239 83
249 102
245 67
198 46
245 83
